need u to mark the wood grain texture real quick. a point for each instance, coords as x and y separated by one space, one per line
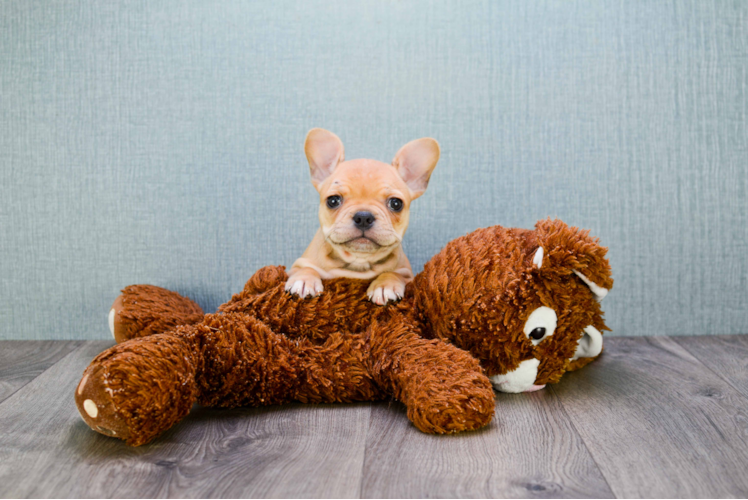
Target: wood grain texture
530 450
648 419
725 355
293 451
290 451
21 361
658 422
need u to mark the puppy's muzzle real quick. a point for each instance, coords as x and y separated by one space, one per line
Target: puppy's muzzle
363 220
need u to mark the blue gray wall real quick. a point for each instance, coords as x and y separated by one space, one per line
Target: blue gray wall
161 142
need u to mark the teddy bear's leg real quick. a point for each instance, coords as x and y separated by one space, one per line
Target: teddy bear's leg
443 387
143 310
336 372
139 388
247 363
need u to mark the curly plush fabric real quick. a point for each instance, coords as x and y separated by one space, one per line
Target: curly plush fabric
143 310
479 291
462 320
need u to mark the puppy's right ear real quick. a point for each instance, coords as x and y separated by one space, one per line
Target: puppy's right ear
324 150
415 161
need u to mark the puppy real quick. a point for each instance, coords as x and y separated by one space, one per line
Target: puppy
364 211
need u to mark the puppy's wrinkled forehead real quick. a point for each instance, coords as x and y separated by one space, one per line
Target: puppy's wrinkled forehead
365 179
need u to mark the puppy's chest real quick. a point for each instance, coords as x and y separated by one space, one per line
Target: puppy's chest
361 268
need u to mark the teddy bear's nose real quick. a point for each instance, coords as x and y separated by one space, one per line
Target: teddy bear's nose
363 220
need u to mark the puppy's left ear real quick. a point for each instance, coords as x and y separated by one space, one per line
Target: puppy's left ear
415 161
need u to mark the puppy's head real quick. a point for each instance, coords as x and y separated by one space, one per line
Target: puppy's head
365 204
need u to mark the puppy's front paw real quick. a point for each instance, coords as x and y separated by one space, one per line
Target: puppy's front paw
385 289
304 286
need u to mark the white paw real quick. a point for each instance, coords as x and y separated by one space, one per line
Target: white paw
381 294
304 287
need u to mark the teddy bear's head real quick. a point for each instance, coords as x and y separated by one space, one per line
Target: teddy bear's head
524 302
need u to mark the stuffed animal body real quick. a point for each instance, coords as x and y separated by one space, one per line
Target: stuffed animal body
506 308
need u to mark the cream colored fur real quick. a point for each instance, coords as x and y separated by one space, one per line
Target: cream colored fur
340 248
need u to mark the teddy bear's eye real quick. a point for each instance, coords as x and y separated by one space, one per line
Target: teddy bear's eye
541 324
538 333
395 204
334 201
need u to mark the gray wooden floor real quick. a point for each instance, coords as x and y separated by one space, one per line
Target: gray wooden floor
653 417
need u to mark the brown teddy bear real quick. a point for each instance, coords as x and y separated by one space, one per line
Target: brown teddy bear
510 307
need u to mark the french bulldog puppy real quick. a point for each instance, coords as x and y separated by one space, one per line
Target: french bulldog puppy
363 212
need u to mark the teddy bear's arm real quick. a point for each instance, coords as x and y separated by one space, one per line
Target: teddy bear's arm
443 387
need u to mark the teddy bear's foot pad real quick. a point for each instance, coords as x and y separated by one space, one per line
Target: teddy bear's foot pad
96 407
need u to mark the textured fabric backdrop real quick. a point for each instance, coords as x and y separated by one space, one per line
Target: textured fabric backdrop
161 142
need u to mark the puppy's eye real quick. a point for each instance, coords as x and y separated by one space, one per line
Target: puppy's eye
538 333
395 204
334 201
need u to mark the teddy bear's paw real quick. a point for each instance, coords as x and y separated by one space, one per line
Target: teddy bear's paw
139 388
304 286
453 397
461 413
121 329
386 289
96 407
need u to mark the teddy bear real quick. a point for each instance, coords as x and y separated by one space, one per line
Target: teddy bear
510 309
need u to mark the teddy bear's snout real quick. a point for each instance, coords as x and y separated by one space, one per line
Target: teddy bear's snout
521 379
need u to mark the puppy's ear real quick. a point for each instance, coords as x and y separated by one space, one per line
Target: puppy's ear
415 161
324 150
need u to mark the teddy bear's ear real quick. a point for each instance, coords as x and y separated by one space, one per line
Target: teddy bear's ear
537 258
590 345
599 291
565 250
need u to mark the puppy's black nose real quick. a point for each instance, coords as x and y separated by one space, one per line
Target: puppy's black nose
363 220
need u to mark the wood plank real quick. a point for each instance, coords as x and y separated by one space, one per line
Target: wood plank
530 450
658 422
21 361
47 451
297 451
725 355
